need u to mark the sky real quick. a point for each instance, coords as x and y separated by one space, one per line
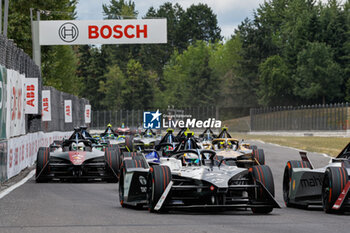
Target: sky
230 13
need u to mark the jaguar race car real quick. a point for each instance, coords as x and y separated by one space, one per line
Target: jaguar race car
190 180
228 147
76 159
304 185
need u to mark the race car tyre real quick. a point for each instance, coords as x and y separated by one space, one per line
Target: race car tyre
259 155
41 164
112 158
136 162
129 143
334 181
263 174
287 177
159 178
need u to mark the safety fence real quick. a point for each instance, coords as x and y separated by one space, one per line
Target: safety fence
134 118
312 117
25 116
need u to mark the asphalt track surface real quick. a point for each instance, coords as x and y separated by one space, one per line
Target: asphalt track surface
94 207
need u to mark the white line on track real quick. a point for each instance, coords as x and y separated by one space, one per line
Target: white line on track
13 187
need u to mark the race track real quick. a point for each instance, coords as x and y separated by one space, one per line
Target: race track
85 208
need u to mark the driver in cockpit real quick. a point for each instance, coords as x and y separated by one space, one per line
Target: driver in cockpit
78 146
190 159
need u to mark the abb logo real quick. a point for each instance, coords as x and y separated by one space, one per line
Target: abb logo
16 108
46 104
30 95
68 110
88 113
117 31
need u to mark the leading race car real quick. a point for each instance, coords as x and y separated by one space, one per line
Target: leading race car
76 159
227 147
304 185
190 179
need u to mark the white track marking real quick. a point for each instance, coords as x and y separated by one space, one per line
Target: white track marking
18 184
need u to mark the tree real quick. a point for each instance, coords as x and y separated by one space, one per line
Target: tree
154 56
115 80
188 78
224 62
199 23
120 9
92 66
318 76
275 82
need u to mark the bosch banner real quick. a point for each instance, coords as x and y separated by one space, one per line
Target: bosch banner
15 104
144 31
31 96
87 114
68 111
3 100
46 105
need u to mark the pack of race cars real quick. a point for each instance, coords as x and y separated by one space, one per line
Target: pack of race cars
185 172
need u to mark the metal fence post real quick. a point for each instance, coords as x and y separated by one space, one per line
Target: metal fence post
132 118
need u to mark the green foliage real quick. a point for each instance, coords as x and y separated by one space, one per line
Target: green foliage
318 76
188 78
120 9
280 47
133 89
60 67
275 82
199 23
115 80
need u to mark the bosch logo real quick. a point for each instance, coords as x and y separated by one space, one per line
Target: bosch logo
68 32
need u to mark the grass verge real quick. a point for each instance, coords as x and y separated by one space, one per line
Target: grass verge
328 145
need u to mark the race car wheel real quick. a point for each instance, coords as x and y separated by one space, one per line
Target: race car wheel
112 158
263 174
129 143
287 177
259 155
136 162
41 164
334 181
159 178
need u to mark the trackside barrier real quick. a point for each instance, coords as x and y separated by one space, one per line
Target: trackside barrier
21 151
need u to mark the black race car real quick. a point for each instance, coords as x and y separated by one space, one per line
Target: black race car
76 159
304 185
